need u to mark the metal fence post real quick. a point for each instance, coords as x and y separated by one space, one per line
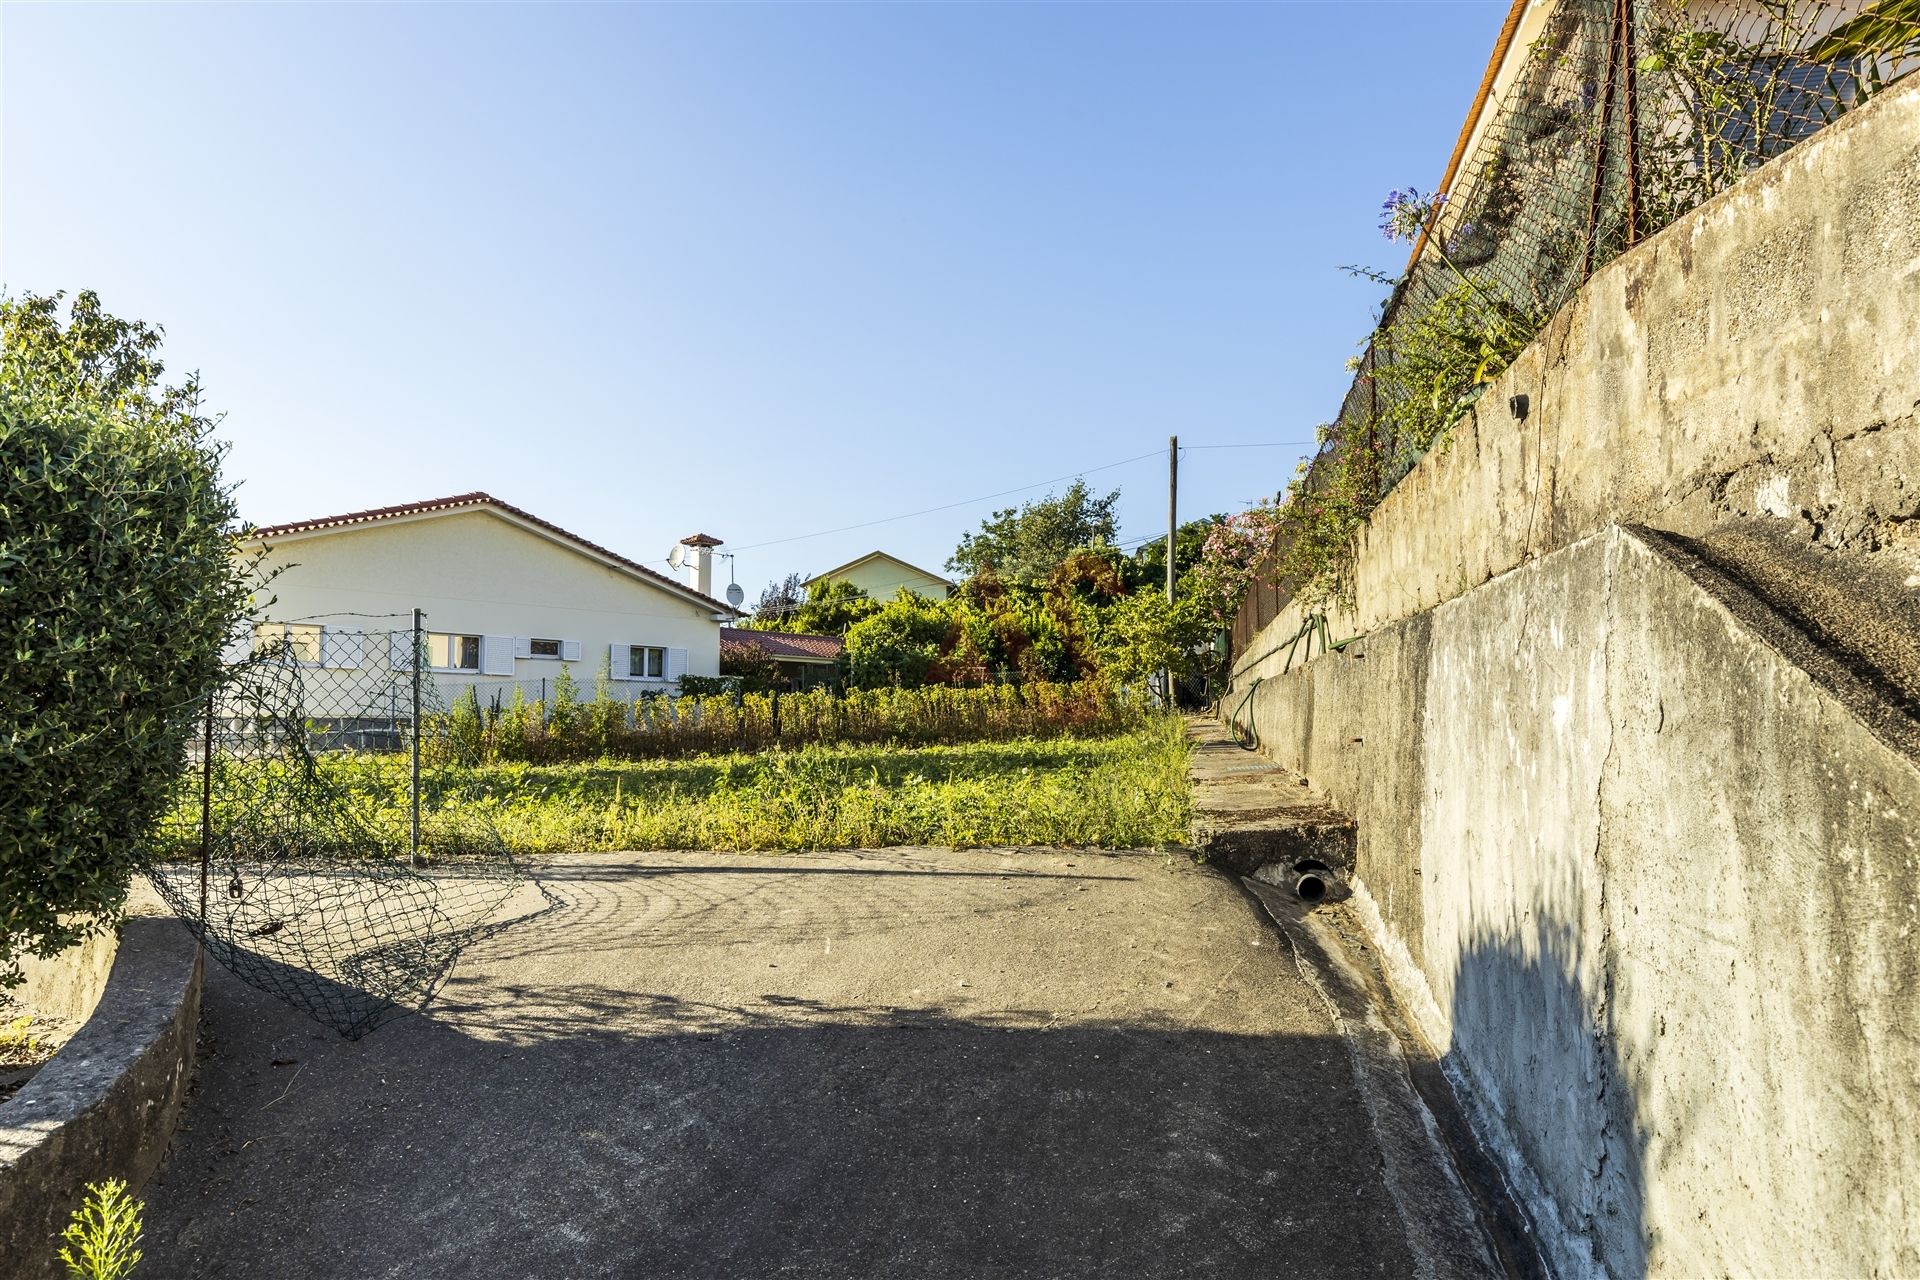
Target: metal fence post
1631 90
206 808
413 851
1601 151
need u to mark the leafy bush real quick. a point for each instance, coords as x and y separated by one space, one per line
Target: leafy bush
118 568
746 667
900 644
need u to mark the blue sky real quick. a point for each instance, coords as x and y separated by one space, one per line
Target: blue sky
753 270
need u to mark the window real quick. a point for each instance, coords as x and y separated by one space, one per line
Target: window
543 648
644 662
453 653
292 641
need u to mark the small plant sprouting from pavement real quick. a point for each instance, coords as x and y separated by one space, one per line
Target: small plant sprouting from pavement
103 1240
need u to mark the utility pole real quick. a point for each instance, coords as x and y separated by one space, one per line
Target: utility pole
1173 505
1173 531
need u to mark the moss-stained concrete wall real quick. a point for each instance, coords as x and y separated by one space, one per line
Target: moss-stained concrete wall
1759 357
1646 865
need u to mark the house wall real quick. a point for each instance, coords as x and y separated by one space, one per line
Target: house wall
882 579
475 573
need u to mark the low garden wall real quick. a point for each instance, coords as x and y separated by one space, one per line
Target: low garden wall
105 1105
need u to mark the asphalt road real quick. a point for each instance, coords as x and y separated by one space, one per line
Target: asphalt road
910 1063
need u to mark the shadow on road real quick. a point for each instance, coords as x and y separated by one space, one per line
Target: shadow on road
607 1092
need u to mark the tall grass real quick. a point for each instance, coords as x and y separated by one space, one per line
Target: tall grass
563 729
1125 791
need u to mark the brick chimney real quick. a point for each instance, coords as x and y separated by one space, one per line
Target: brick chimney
699 561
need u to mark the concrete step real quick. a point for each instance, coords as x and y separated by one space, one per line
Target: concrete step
1255 819
1861 613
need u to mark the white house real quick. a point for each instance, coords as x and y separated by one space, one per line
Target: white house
505 594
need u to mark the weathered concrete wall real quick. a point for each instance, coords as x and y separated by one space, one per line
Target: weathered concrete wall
66 986
1646 864
106 1105
1759 357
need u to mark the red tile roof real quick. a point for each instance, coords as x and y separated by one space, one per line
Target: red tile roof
790 645
478 499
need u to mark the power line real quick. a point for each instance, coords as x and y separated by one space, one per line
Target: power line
988 497
964 502
1268 444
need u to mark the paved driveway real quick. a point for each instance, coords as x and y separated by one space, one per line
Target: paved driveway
910 1063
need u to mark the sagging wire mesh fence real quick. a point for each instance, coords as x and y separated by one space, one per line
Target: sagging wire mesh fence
1622 116
324 846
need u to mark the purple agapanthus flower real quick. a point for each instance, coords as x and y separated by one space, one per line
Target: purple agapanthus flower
1404 214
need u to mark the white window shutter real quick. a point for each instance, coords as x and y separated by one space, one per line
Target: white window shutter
619 664
523 646
400 651
496 655
570 650
676 663
342 649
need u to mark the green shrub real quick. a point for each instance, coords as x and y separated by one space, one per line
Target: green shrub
696 724
900 643
103 1240
118 569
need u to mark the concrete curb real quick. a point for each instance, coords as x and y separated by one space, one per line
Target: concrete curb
1453 1230
105 1106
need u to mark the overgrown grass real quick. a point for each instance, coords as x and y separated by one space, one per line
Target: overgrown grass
1126 791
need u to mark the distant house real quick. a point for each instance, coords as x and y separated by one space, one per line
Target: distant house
506 596
804 661
882 577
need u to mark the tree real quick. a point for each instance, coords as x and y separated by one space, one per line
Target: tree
1025 544
830 609
1148 566
777 603
1145 633
118 568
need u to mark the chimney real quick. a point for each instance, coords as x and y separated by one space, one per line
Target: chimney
699 561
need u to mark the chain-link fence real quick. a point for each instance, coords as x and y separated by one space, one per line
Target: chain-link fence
324 847
1620 117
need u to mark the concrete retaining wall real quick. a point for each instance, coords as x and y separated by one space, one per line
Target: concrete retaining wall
66 986
1647 867
1759 357
106 1105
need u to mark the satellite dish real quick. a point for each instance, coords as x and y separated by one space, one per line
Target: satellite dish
735 594
677 557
